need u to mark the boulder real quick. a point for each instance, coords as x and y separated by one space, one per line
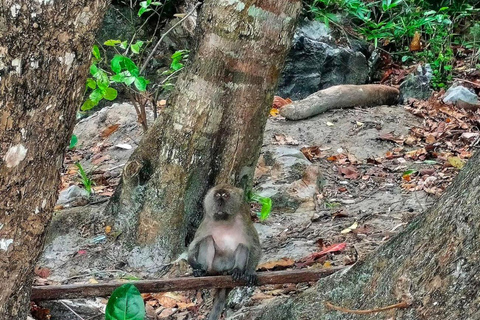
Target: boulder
315 62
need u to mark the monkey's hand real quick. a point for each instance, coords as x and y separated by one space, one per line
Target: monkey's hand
199 272
250 278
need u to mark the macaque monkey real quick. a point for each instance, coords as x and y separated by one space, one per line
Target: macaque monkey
225 242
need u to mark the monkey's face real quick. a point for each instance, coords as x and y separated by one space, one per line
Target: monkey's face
223 202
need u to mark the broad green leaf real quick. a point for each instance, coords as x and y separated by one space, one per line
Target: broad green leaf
176 65
130 66
144 4
136 47
129 80
112 43
92 84
141 83
118 78
125 303
110 94
93 69
266 205
124 45
96 95
73 141
115 64
89 104
96 52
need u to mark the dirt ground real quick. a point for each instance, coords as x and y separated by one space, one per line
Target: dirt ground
356 191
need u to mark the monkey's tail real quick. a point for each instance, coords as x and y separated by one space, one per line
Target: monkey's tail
219 303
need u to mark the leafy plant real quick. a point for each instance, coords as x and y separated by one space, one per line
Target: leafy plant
146 6
87 183
266 205
125 303
73 142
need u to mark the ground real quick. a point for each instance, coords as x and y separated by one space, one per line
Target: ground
348 178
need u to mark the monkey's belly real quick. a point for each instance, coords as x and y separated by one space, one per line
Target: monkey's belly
226 242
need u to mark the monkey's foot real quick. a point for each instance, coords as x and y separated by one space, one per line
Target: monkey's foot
199 272
237 274
251 279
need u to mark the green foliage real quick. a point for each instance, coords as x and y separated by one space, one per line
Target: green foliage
73 142
395 22
87 183
125 303
124 71
266 205
147 5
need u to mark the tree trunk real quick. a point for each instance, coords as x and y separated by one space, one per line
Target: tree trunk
433 265
44 59
212 130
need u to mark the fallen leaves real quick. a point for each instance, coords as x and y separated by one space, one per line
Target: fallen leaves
314 257
311 153
349 172
277 265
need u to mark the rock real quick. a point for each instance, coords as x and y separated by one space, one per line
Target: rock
315 62
458 92
291 179
417 86
86 308
71 194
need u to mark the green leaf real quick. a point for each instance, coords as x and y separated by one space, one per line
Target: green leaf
141 83
89 104
142 11
73 141
102 80
96 95
93 69
110 94
266 205
124 45
118 78
144 4
130 66
125 303
176 65
96 52
112 43
129 80
430 162
115 64
409 172
92 84
136 47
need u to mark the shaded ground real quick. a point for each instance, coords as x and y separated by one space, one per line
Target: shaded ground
367 172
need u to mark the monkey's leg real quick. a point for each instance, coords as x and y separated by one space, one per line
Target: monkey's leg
250 275
202 255
241 260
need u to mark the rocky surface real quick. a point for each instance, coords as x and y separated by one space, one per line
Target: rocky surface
316 62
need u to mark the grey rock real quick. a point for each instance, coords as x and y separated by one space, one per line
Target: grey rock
315 62
72 194
417 86
459 92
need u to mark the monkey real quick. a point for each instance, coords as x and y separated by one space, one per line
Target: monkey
225 242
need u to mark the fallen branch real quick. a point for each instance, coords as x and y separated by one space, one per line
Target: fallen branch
341 96
367 311
73 291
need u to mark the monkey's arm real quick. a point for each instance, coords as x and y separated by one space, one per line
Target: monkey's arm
201 255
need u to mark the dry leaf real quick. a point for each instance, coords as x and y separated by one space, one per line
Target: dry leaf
110 129
456 162
274 112
283 263
42 272
349 229
282 139
311 153
416 45
108 229
349 172
279 102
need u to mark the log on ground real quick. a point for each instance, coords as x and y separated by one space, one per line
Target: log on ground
341 96
74 291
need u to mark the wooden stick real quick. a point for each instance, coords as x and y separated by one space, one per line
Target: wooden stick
399 305
73 291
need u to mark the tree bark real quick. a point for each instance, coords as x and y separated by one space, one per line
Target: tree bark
212 130
433 266
44 59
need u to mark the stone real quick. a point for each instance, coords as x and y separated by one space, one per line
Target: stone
417 86
315 62
458 92
71 194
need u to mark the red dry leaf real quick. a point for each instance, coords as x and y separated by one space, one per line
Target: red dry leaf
279 102
311 153
110 129
349 172
316 255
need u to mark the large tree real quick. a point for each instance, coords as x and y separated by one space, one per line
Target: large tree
433 267
44 60
212 130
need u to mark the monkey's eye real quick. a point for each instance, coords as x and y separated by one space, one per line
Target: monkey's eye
217 195
225 195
